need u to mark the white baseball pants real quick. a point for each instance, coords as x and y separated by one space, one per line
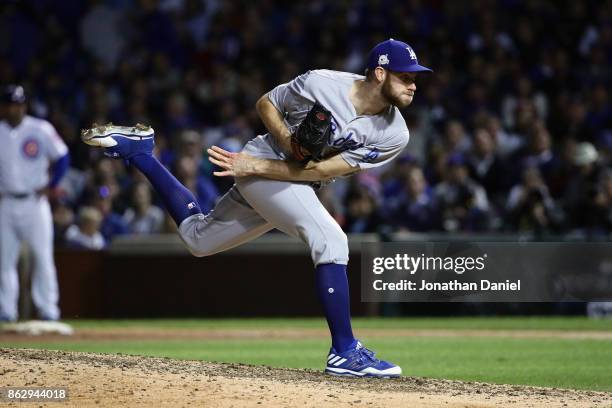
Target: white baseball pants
27 220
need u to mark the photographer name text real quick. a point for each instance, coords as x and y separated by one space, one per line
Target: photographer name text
453 285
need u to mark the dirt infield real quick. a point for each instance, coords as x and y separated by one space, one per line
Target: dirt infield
98 380
140 333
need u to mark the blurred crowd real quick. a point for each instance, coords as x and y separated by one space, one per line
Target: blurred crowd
512 133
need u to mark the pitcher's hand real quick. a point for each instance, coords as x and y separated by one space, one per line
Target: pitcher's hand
233 164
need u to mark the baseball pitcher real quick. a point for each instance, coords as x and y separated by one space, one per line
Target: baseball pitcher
323 124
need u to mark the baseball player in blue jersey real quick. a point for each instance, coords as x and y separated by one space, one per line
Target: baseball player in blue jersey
30 147
274 190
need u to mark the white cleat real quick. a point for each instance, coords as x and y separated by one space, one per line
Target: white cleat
102 135
120 141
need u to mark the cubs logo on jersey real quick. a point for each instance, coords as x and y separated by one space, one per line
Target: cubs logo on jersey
31 148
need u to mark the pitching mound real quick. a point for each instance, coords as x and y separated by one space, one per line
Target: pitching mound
95 380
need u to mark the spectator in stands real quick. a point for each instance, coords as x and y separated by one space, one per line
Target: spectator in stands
142 217
101 33
190 145
599 113
538 153
530 207
572 120
463 203
485 166
524 93
526 115
362 213
456 139
178 115
413 208
564 169
583 187
63 218
506 142
602 204
105 174
112 223
86 233
393 179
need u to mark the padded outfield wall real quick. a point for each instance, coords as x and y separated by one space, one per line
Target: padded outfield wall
155 276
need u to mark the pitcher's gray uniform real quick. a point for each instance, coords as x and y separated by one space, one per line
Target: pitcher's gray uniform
25 215
255 205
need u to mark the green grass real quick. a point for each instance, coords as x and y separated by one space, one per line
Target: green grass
566 363
459 323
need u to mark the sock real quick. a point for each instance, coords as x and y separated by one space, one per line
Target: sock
333 290
179 201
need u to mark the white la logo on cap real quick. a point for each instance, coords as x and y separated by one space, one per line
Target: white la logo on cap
383 59
411 52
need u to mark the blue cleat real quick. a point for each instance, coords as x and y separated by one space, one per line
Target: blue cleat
358 361
120 142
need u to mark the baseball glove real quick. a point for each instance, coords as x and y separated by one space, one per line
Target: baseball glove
312 134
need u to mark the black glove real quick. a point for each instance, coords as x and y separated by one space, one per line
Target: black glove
312 134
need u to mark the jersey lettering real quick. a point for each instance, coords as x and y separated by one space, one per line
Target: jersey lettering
352 135
332 128
346 143
371 156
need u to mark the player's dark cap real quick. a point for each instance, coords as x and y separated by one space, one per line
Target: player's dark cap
395 56
13 94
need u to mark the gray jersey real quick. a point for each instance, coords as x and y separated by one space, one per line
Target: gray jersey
26 153
362 140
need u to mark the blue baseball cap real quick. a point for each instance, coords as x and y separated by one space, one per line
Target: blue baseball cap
395 56
13 94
